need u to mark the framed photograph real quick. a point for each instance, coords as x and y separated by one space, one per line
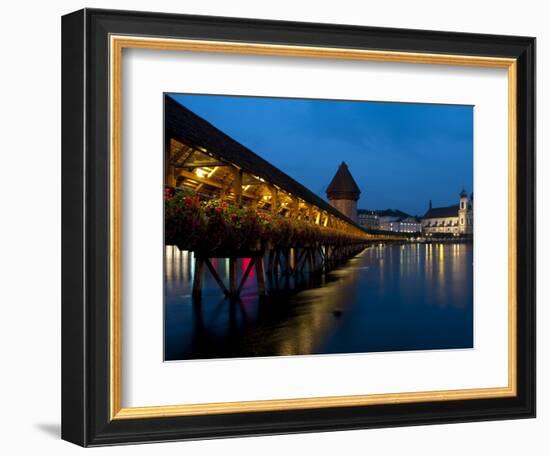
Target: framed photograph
269 227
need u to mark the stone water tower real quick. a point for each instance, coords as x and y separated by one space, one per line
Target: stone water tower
343 193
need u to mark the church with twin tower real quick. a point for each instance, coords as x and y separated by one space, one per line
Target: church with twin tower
343 192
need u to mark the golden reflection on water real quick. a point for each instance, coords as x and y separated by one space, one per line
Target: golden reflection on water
313 326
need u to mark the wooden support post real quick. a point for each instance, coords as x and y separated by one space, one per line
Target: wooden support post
197 280
277 265
302 260
295 210
288 266
270 261
245 275
169 176
274 200
232 276
311 260
291 260
238 186
317 260
260 274
276 277
223 193
216 276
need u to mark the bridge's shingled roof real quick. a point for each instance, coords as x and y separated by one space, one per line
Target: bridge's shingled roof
442 212
181 123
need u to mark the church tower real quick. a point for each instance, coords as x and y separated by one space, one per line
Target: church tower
343 193
463 207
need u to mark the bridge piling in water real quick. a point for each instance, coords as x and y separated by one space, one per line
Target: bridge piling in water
283 264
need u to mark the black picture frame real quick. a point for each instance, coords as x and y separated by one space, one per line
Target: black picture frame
85 225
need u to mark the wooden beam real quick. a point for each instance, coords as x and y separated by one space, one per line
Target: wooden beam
180 151
311 212
204 180
169 177
245 275
216 276
232 276
249 179
198 164
238 185
212 183
274 199
197 279
295 206
260 275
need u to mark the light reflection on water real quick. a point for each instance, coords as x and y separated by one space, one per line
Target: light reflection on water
411 297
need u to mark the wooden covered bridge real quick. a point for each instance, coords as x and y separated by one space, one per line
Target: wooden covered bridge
205 165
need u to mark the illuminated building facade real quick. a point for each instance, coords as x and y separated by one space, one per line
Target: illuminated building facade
368 219
401 225
457 220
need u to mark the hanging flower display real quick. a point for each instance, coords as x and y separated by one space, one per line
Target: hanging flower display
213 226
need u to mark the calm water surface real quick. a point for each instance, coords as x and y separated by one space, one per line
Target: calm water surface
412 297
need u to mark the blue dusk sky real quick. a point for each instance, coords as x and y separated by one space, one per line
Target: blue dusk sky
400 154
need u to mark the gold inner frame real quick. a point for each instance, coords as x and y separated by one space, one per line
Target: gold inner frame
117 44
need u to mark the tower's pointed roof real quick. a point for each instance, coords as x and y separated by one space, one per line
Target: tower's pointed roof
343 186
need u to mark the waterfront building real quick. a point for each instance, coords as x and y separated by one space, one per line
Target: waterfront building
456 220
404 225
399 222
389 220
343 192
368 219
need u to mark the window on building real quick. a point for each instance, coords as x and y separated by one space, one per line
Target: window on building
461 221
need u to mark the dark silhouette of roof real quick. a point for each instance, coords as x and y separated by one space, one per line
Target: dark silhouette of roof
401 219
384 212
463 193
392 213
366 211
185 125
442 212
343 185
